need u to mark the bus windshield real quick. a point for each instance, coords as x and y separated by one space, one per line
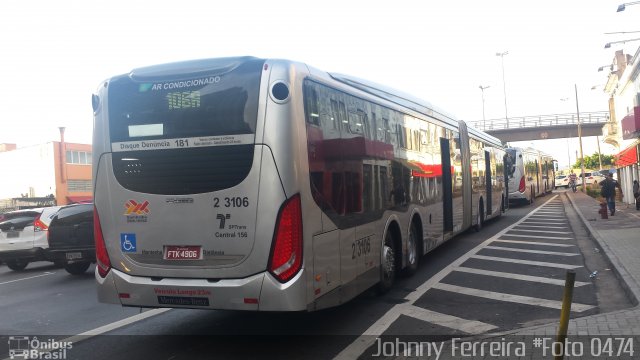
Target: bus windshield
195 106
185 133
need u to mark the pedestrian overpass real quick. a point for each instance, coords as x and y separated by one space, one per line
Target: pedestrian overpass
543 127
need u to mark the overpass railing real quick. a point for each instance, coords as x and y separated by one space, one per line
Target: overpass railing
596 117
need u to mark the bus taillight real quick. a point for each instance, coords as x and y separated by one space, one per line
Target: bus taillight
286 251
523 185
102 257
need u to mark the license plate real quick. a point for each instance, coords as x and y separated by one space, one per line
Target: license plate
176 252
74 255
13 234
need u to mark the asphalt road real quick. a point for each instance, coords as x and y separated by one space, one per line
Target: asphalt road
507 276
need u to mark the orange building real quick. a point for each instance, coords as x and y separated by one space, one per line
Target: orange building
37 174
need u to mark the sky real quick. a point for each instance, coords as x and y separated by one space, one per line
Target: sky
56 53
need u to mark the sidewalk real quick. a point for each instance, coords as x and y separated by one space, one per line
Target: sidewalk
619 238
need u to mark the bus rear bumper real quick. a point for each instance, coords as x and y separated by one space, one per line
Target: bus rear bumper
260 292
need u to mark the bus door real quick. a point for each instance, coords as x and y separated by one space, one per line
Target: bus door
447 188
506 166
488 182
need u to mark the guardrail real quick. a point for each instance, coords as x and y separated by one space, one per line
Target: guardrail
596 117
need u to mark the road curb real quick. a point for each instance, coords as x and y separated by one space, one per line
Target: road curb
626 281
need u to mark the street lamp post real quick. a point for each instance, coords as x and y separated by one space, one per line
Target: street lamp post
504 86
622 7
482 88
580 138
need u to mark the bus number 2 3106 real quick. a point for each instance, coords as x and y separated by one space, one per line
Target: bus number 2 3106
361 247
235 202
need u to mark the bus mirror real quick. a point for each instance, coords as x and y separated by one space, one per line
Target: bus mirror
95 102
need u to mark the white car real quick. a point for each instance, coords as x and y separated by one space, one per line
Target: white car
562 181
591 178
23 236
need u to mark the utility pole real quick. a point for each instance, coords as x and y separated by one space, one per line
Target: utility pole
575 86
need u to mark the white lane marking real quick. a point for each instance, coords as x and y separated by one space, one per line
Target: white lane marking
115 325
368 338
106 328
27 278
505 275
526 262
533 243
124 322
552 219
542 226
539 221
542 231
542 252
540 237
519 299
449 321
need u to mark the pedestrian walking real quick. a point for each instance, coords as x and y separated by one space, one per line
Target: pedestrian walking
608 191
636 193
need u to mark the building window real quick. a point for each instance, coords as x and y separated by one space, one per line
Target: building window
78 157
79 185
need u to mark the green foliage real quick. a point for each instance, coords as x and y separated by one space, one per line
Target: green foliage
594 193
592 162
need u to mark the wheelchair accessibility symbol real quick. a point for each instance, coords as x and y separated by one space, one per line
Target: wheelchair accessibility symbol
128 242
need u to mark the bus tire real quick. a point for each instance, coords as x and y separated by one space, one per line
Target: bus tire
480 220
388 264
413 256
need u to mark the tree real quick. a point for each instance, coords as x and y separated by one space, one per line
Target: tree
592 162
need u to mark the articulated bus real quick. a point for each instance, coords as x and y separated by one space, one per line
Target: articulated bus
269 185
532 174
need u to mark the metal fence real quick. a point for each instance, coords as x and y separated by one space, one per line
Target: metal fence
518 122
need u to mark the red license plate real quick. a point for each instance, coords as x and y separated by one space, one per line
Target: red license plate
175 252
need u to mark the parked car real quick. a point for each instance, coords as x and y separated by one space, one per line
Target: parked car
71 238
562 181
591 178
23 236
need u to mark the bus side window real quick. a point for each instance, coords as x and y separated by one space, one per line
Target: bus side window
313 112
364 121
335 116
338 196
343 118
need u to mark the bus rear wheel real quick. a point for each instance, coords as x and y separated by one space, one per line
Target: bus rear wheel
480 220
388 264
413 257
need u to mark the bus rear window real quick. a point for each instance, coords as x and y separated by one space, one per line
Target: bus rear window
194 105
